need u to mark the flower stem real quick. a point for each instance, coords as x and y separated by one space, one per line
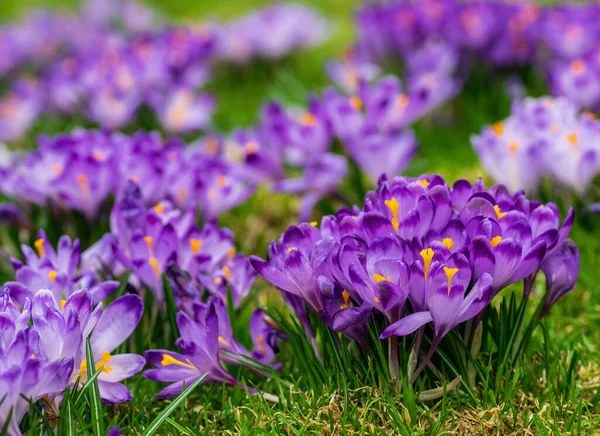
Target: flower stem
426 359
393 357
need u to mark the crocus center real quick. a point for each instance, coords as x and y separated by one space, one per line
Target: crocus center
106 358
227 273
356 103
39 246
149 241
196 245
84 186
347 302
577 66
170 360
261 341
512 147
496 240
402 101
572 138
498 128
379 278
424 183
427 255
314 223
448 243
450 272
159 208
52 276
218 281
290 249
393 206
499 214
221 181
308 119
252 148
154 264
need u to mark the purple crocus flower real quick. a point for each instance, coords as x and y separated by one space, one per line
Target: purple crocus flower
64 328
19 109
56 270
562 271
199 344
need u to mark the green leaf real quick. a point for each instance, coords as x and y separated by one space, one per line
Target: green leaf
171 309
66 425
98 428
162 417
123 285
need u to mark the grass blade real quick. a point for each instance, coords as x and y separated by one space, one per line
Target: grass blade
162 417
94 393
171 309
66 425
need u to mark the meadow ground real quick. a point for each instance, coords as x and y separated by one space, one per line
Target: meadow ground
552 388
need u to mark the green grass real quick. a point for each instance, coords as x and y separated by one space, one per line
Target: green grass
552 389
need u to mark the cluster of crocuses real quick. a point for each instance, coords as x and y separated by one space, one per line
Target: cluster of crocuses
87 66
47 317
420 252
559 39
55 306
372 123
197 262
544 136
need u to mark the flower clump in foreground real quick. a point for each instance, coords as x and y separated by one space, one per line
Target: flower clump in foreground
420 252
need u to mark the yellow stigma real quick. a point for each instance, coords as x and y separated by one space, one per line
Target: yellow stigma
498 128
427 255
227 273
231 253
261 341
577 66
159 208
376 300
499 214
308 119
356 103
52 276
221 181
512 147
347 302
379 278
289 250
84 186
223 341
211 146
314 223
168 360
573 137
106 358
62 303
424 183
496 240
196 245
448 242
57 169
33 355
251 148
149 242
218 281
393 206
154 264
39 246
450 272
402 101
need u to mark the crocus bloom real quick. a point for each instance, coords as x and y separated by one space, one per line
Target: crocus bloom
56 270
542 136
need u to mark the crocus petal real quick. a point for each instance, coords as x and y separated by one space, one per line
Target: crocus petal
114 393
122 366
407 325
116 323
